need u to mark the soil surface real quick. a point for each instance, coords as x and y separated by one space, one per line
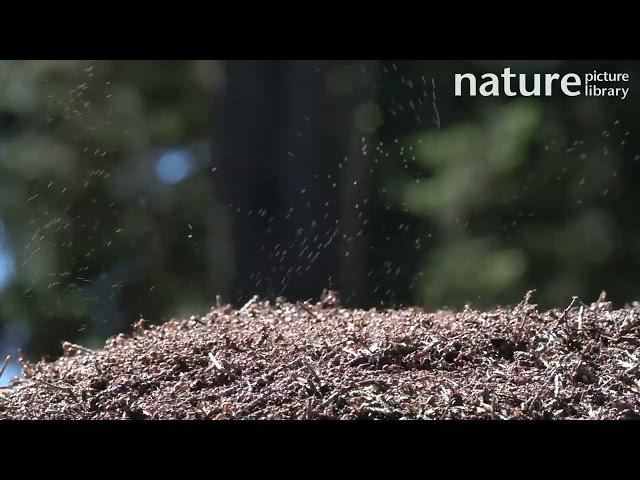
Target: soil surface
314 361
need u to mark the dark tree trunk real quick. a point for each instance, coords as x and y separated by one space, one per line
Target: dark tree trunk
286 180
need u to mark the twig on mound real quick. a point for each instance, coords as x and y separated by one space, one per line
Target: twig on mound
68 390
543 386
527 298
4 365
563 316
72 346
308 310
248 305
446 410
580 313
494 407
219 301
373 382
524 311
216 363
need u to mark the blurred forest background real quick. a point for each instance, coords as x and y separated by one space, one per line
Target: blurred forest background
134 189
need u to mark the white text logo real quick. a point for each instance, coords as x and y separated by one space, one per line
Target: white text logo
594 84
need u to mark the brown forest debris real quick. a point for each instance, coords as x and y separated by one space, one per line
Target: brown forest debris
302 361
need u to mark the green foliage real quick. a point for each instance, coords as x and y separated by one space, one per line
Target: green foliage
96 237
471 168
468 164
526 193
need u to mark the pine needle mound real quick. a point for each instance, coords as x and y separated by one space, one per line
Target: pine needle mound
304 361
